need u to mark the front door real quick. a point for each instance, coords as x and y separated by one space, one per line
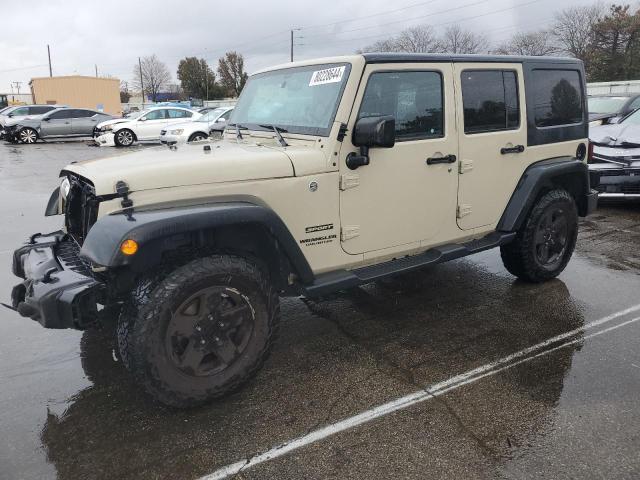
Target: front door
493 139
56 124
149 126
402 198
84 121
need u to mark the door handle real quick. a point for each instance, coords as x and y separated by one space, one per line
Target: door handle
445 159
516 149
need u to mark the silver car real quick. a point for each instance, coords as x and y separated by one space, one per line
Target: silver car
59 123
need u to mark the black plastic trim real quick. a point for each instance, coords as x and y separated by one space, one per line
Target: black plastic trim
541 176
52 204
102 245
443 57
341 279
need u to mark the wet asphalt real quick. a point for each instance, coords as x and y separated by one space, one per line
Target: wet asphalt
69 410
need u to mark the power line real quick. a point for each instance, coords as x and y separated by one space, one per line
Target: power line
387 34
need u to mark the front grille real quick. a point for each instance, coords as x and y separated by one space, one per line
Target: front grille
68 253
81 209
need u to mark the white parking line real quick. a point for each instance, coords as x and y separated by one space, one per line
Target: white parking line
428 393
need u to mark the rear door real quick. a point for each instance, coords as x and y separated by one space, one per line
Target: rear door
492 140
176 115
83 122
56 124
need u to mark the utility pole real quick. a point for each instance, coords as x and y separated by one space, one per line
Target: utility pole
17 85
292 45
141 82
96 65
49 55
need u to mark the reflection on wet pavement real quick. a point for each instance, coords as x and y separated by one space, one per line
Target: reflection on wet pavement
71 411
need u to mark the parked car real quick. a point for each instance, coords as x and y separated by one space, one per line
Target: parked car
204 110
145 125
338 172
58 123
606 109
14 114
199 129
218 127
614 158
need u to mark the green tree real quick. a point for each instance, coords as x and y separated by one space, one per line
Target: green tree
232 74
616 45
197 79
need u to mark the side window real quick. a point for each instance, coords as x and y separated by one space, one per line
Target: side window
20 111
60 114
39 110
415 99
225 116
82 113
490 100
179 113
634 105
557 97
156 115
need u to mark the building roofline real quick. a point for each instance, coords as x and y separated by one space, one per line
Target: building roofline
74 76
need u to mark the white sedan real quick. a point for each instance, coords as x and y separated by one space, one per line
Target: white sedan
198 129
143 126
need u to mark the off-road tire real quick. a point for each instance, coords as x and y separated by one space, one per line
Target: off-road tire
124 138
519 257
145 342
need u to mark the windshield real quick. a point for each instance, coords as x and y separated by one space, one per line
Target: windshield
606 104
211 115
633 119
299 100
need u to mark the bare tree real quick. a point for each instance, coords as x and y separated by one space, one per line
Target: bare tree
457 40
231 72
574 30
154 75
418 39
538 43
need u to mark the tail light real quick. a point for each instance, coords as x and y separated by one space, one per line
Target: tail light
590 153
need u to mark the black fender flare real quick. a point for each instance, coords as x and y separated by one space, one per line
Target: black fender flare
102 245
544 175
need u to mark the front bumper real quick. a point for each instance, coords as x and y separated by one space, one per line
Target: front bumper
615 181
59 289
105 140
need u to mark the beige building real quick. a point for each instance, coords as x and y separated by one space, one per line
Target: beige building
78 91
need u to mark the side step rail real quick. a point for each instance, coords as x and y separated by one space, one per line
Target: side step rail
341 279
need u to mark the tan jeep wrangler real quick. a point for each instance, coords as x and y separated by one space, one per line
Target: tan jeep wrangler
331 173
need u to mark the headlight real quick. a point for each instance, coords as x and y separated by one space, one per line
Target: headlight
65 186
107 128
177 132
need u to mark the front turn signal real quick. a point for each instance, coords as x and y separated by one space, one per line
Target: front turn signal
129 247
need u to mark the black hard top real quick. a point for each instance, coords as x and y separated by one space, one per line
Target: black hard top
620 94
453 58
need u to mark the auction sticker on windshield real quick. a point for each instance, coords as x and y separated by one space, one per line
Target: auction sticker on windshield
328 75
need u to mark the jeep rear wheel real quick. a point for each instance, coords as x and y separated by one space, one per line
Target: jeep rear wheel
544 244
205 329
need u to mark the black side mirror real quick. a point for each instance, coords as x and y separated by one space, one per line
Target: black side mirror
10 115
371 132
46 119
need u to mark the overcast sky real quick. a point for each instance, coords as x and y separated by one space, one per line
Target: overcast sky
113 34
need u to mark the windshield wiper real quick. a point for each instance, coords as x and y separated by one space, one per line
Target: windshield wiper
238 128
277 130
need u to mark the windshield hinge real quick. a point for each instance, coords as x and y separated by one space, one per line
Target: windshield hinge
349 181
342 132
349 231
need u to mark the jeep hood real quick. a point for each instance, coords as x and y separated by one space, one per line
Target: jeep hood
160 167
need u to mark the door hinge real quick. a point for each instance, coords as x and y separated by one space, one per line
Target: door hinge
350 231
348 181
465 166
463 210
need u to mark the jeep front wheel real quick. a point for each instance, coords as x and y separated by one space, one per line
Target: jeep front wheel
205 329
544 244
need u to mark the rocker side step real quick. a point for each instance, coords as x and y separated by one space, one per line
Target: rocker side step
341 279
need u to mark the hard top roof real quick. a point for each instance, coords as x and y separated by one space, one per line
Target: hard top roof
444 57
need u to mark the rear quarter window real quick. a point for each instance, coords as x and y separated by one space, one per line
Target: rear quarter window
557 97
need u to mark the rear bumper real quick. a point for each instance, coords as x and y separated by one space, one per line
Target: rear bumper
59 289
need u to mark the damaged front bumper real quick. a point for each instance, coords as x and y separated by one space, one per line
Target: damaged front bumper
59 289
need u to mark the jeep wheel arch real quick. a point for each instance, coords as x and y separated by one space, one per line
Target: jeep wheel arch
232 226
565 172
